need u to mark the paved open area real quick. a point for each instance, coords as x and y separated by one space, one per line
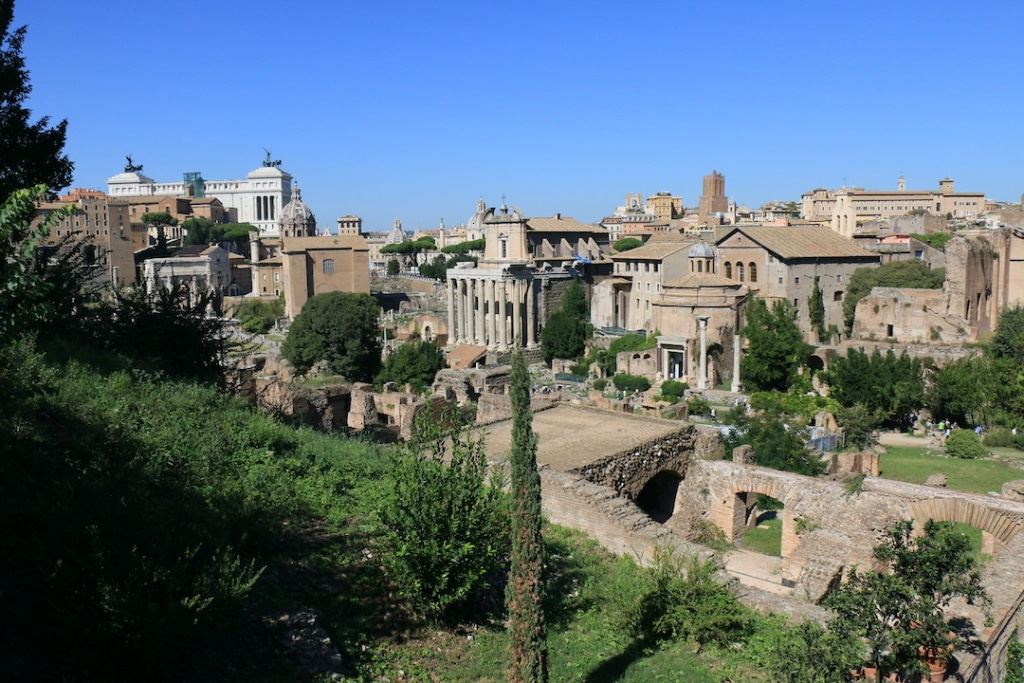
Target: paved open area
571 436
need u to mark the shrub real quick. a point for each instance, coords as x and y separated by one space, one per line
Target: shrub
631 383
964 443
393 267
998 437
339 328
600 384
447 530
789 403
672 389
627 243
257 316
415 363
580 369
697 406
679 599
859 426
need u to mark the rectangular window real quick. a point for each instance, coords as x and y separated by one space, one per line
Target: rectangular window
837 296
796 280
888 331
329 265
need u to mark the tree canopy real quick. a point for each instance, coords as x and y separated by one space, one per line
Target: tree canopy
465 247
627 243
339 328
566 331
892 274
889 386
1008 341
777 349
415 363
31 153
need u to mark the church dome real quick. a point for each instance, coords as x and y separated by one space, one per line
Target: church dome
702 250
297 219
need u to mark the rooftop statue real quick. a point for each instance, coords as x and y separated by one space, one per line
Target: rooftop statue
268 162
131 167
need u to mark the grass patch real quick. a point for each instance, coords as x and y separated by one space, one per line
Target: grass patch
914 464
765 538
973 535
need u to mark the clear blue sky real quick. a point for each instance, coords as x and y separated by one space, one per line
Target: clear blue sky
413 110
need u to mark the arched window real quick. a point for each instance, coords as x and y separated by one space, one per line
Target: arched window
328 265
753 272
728 270
700 266
739 271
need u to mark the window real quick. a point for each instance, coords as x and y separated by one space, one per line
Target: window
739 272
796 280
888 330
277 277
728 270
837 296
328 265
503 243
753 272
700 266
780 280
839 278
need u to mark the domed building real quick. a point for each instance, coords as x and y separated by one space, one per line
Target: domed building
297 220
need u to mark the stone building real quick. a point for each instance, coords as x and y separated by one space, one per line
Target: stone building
503 301
784 263
847 207
350 225
297 220
316 265
638 275
202 268
256 199
712 199
665 205
99 227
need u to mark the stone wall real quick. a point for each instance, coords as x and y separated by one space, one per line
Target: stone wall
628 471
491 408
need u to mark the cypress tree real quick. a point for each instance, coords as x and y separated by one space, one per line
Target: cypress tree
528 652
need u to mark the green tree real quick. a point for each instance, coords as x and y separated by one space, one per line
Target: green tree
198 230
414 363
160 220
899 611
890 386
528 654
627 243
776 351
964 390
393 267
776 444
464 247
1008 341
566 331
816 311
30 153
447 531
860 426
893 274
339 328
259 316
437 269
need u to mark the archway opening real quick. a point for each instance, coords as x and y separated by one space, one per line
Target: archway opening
815 363
658 496
762 525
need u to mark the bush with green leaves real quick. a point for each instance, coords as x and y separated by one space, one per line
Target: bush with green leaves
679 598
860 426
805 406
964 443
627 243
697 405
775 443
672 390
801 653
1001 437
600 384
414 363
339 328
258 316
631 383
393 267
891 387
447 530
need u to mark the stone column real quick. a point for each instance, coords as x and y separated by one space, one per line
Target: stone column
702 381
451 312
531 323
480 312
464 312
737 353
492 314
471 311
502 330
517 313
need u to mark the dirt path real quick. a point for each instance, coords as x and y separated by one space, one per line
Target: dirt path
901 439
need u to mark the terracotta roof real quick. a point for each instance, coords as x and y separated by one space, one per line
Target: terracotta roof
464 355
651 251
293 244
561 224
697 280
794 243
191 250
671 236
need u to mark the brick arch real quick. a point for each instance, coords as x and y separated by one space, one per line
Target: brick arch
1001 526
730 507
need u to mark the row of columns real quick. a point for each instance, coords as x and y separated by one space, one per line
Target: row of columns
702 372
265 209
489 312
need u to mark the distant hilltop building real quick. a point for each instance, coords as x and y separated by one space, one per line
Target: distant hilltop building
712 199
845 208
643 217
257 199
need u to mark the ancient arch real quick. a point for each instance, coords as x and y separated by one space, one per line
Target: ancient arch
997 529
732 511
658 496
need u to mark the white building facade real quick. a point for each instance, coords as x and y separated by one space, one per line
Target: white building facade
258 198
